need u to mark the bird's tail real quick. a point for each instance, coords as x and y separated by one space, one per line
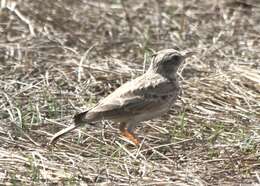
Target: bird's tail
79 119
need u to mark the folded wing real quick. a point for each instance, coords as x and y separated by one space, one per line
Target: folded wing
134 101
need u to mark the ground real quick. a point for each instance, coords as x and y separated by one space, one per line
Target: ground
60 57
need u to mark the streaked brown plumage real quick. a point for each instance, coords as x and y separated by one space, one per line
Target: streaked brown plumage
146 97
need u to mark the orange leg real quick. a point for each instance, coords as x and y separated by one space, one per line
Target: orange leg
129 135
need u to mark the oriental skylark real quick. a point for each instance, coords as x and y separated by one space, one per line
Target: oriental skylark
148 96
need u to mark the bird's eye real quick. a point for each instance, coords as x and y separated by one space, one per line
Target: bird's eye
171 61
175 58
153 55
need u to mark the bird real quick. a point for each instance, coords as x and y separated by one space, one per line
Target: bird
143 98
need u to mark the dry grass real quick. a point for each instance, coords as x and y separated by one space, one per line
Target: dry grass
58 57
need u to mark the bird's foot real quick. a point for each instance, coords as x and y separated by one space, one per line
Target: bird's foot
131 137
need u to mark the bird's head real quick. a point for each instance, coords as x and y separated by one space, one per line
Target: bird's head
166 62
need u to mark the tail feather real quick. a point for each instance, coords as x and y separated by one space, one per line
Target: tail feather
78 120
61 133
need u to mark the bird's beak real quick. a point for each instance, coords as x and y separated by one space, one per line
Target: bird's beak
187 54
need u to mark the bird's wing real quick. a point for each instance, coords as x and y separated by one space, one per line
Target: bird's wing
134 98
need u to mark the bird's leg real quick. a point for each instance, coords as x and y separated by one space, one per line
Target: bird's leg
126 132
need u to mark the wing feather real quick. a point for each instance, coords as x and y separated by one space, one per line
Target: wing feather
134 98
